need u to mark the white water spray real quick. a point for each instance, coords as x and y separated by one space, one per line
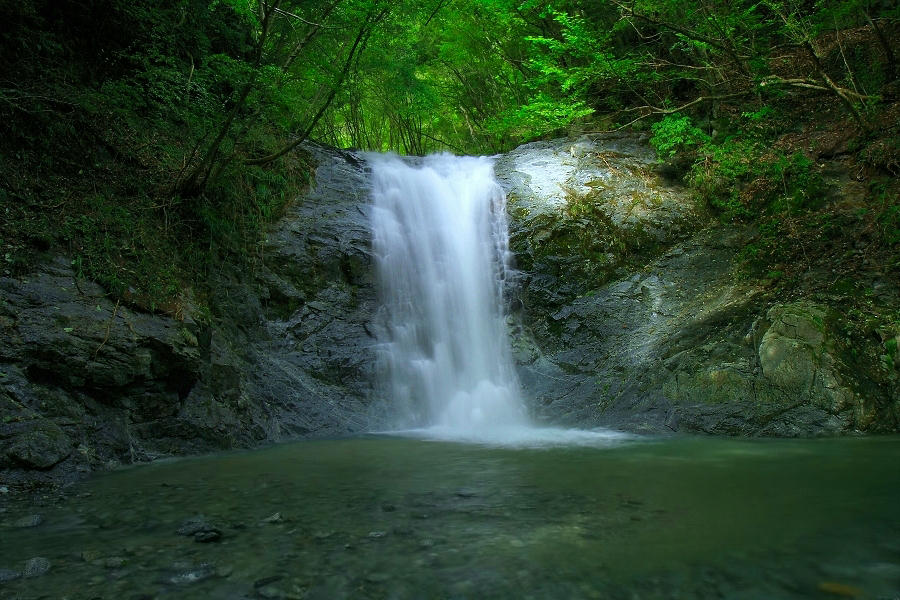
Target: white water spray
441 247
442 258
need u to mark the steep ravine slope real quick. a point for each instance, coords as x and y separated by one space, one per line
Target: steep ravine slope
628 315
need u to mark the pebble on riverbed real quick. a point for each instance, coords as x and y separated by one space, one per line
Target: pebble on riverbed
204 537
8 575
200 529
114 562
29 521
37 566
192 574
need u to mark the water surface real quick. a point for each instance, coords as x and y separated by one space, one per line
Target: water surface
385 517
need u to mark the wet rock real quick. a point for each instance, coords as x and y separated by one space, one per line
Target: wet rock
8 575
42 445
795 356
35 567
224 571
195 525
28 521
192 574
630 315
272 592
275 518
204 537
91 555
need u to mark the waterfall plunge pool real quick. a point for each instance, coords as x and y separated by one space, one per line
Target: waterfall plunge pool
394 517
522 513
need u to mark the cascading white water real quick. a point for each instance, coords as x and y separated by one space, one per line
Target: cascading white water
440 240
442 256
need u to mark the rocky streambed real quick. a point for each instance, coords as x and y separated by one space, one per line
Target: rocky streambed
629 314
382 517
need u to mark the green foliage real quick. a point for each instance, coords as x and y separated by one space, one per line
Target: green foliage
744 180
108 110
132 123
675 133
542 114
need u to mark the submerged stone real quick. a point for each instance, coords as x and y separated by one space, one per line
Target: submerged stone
29 521
9 575
193 574
35 567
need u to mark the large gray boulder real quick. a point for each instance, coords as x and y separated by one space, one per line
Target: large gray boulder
631 314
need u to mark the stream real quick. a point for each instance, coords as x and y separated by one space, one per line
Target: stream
397 517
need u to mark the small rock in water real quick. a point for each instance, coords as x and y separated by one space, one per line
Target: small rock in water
194 524
29 521
272 592
377 534
114 562
4 489
276 518
204 537
202 530
8 575
91 555
193 575
388 507
37 566
224 571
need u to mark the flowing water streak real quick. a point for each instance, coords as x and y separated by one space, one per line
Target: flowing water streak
441 246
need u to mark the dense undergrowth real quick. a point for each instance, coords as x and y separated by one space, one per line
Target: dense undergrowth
98 119
823 202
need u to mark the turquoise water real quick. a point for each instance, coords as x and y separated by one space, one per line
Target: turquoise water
384 517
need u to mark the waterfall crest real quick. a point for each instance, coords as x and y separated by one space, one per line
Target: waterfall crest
442 261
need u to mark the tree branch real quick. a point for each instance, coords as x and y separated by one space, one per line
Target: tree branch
361 36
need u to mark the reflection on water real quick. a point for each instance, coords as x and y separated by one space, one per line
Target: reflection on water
404 518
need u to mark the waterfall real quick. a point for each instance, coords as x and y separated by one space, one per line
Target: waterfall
442 260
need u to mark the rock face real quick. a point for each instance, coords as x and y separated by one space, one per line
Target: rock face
628 315
73 365
86 383
631 315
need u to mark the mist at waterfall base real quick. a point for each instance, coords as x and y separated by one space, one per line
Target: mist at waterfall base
444 269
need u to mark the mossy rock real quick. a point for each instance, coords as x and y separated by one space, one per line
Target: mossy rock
41 445
796 356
